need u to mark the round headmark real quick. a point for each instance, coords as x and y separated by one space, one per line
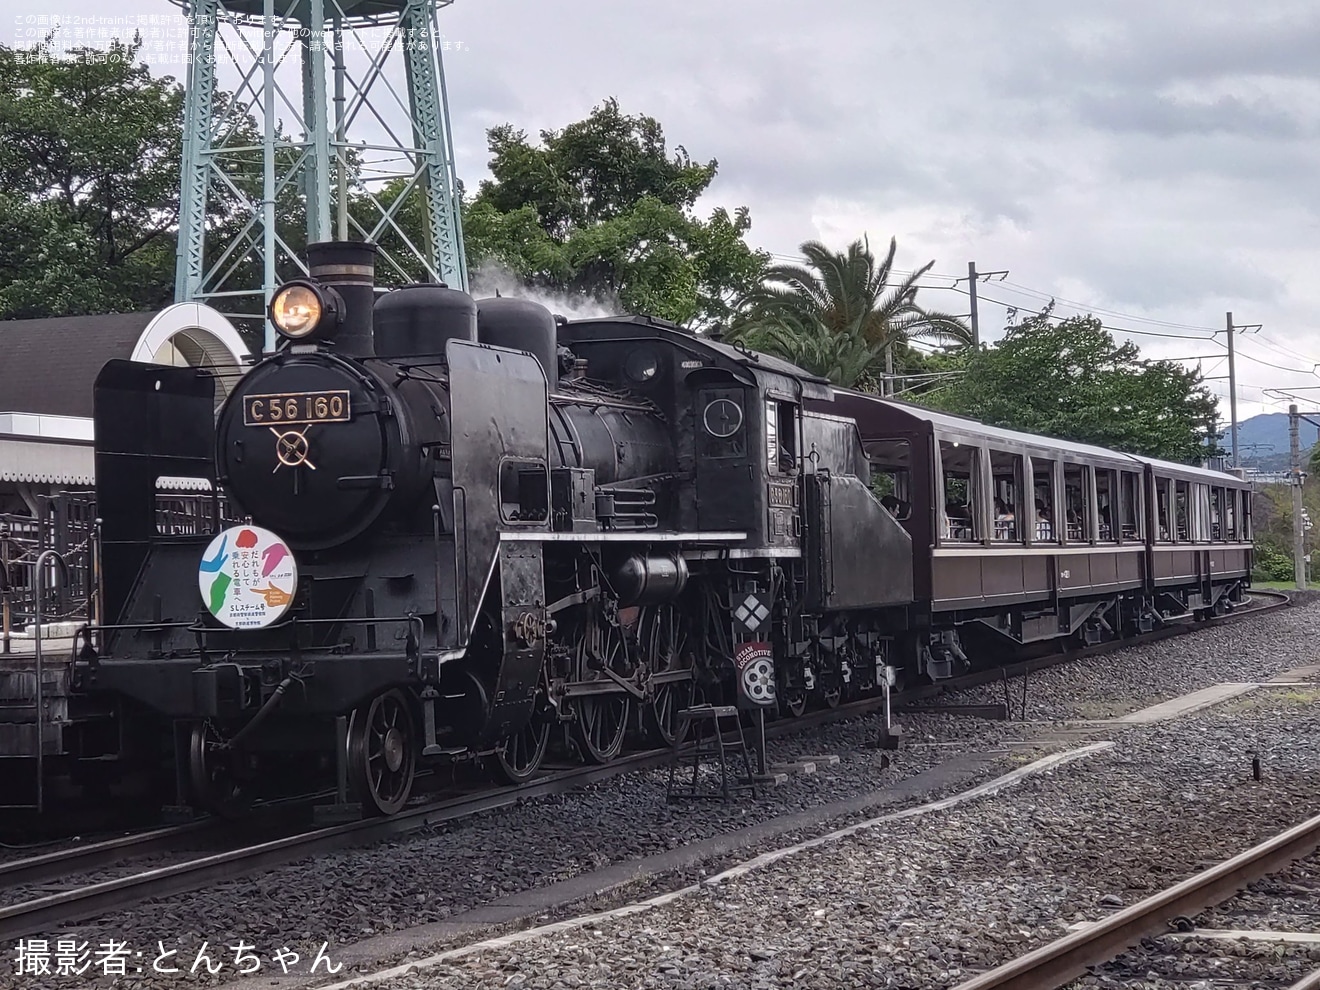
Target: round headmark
247 577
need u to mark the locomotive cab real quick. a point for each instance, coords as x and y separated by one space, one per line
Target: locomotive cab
737 417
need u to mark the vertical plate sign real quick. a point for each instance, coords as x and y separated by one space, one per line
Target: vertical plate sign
756 674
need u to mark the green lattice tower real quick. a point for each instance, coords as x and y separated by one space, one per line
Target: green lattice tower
313 75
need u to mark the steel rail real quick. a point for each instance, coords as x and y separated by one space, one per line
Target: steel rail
1065 959
267 818
26 918
34 869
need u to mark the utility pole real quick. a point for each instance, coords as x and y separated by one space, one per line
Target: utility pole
973 276
971 288
1232 380
1232 391
1295 452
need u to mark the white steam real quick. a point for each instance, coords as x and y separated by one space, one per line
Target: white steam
493 278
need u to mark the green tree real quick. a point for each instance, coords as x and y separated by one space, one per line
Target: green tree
1070 379
842 314
602 209
1272 526
89 182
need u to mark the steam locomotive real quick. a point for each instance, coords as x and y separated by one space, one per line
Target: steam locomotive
466 529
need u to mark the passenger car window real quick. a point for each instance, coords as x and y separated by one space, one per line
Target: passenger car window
891 475
1042 486
959 518
1008 515
1106 491
1077 501
1129 510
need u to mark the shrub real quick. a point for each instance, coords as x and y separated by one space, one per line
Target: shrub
1273 563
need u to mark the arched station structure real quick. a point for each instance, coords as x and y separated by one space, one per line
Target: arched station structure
46 381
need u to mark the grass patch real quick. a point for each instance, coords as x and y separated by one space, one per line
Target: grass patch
1268 697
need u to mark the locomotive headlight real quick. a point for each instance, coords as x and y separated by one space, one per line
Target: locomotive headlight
300 309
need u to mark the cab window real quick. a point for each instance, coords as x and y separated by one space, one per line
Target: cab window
780 437
891 476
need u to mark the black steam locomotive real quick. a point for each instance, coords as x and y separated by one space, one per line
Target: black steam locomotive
464 526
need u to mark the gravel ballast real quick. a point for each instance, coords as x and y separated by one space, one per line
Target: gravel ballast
1287 902
929 901
349 896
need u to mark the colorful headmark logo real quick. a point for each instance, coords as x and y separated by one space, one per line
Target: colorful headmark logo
247 577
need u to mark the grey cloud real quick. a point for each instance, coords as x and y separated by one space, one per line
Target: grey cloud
1145 112
1187 278
1145 46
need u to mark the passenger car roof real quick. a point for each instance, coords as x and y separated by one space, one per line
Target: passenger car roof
875 416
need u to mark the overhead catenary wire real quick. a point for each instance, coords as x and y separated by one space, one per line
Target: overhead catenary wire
940 281
1205 332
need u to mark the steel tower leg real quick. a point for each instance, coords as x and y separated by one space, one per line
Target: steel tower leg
341 156
317 125
268 169
195 169
430 120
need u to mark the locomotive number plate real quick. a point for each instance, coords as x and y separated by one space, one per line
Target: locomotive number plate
783 496
296 407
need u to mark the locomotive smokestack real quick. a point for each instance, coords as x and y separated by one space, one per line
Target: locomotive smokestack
350 268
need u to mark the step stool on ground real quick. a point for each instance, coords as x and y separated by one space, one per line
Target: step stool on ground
708 724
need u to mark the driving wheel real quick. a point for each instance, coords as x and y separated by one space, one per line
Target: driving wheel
523 752
665 647
602 719
382 753
793 700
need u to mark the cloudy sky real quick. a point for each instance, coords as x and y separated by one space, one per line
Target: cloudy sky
1151 161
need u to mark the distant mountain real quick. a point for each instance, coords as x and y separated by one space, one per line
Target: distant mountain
1263 440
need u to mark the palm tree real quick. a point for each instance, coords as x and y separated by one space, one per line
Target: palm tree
839 314
842 358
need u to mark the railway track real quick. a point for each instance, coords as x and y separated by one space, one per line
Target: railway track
204 864
1057 964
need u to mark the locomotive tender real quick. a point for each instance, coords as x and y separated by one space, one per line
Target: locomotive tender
464 525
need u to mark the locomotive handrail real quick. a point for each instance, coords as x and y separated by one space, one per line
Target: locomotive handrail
47 557
202 631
